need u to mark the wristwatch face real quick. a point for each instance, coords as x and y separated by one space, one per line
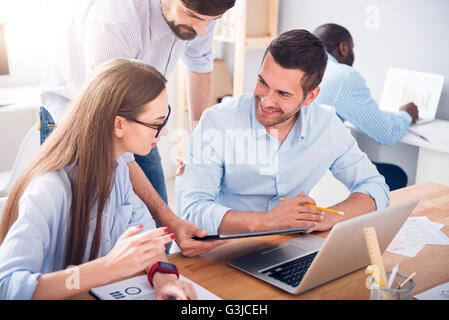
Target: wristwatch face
167 265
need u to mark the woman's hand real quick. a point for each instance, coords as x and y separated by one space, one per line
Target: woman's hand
168 287
133 253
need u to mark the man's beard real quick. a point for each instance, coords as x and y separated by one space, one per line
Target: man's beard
182 31
278 120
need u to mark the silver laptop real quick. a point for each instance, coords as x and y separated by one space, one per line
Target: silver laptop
403 86
308 261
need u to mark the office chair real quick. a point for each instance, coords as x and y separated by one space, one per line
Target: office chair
30 145
2 205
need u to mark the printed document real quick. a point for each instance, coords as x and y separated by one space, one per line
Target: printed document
138 288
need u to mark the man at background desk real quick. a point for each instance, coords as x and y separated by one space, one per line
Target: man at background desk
248 153
345 89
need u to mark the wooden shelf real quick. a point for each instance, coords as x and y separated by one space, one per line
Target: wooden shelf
250 25
250 42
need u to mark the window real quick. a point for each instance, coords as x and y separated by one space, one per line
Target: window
4 69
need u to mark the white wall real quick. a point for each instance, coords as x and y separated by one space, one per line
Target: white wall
410 34
32 28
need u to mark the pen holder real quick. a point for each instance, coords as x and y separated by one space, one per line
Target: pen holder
393 293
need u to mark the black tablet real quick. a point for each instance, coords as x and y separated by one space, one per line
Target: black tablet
251 234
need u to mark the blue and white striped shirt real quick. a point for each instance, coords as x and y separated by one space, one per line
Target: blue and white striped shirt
105 29
345 89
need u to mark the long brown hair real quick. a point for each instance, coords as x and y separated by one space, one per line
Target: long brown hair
84 142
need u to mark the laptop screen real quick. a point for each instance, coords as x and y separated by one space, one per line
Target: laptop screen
404 86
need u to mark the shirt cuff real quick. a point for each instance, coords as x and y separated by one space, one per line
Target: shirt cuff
378 193
199 65
210 217
21 286
405 116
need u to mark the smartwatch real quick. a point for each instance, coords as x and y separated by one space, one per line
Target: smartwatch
162 267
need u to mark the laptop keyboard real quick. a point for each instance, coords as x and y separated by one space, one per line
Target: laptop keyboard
293 271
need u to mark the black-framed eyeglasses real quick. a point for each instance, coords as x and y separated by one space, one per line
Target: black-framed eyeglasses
157 127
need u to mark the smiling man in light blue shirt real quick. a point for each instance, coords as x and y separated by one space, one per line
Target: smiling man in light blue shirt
248 153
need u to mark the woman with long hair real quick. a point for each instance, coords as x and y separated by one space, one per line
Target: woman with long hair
74 206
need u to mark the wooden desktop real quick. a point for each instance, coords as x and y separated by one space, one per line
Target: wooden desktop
211 270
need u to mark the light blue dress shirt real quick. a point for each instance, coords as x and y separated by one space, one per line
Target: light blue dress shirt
233 164
35 244
345 89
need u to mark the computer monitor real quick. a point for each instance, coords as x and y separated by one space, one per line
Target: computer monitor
4 68
403 86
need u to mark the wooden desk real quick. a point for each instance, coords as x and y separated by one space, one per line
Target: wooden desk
211 271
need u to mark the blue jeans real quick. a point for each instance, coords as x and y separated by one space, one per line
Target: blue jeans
152 167
47 124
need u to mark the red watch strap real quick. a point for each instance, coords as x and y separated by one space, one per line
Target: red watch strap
157 268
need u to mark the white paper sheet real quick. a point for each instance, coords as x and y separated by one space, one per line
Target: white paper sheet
138 288
436 132
440 292
415 234
439 226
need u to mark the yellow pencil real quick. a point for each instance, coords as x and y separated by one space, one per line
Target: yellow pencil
319 208
375 277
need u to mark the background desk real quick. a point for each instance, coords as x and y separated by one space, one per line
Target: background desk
211 271
433 157
422 161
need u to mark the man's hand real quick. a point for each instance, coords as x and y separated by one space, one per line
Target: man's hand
292 214
181 166
354 205
329 220
185 231
412 110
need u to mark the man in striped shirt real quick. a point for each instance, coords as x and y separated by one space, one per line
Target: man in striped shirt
345 89
155 32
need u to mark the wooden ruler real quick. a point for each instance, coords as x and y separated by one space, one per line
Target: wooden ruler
374 253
